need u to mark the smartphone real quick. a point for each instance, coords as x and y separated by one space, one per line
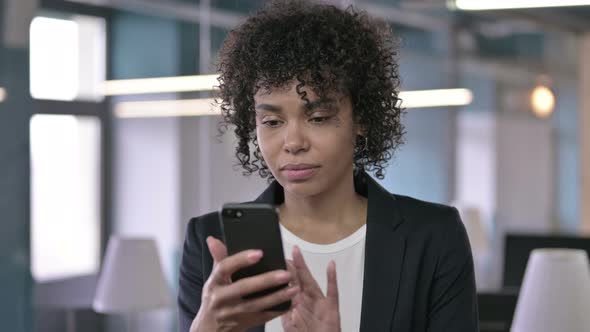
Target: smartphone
255 226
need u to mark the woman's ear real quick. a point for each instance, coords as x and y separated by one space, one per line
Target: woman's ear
358 128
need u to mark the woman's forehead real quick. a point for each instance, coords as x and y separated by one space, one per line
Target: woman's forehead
295 89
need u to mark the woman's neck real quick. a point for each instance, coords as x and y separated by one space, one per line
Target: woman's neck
327 217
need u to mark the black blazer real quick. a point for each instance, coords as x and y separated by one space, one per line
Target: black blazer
418 265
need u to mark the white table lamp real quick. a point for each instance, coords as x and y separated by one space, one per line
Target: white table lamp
132 279
555 294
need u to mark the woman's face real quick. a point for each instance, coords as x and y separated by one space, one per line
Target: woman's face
308 147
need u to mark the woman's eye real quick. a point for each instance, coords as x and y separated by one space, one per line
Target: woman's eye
319 119
271 123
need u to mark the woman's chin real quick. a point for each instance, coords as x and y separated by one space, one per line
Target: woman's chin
310 187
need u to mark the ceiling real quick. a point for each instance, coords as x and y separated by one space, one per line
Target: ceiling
566 19
573 19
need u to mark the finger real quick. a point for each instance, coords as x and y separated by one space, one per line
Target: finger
258 283
291 268
223 271
307 281
263 303
234 292
332 289
217 249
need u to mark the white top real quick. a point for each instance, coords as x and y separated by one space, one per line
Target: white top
349 256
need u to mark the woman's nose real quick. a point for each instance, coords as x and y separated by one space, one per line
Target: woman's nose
295 140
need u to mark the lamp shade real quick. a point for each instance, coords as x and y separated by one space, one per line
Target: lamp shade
555 294
131 279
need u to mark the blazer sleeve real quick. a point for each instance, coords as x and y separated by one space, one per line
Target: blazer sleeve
453 300
190 277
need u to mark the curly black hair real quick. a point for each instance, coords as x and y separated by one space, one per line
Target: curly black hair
325 48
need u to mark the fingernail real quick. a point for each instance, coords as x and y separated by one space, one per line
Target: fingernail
283 276
255 255
293 290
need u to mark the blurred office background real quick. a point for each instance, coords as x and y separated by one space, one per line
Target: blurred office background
81 159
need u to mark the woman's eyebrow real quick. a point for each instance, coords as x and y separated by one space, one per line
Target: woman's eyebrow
322 102
268 107
328 103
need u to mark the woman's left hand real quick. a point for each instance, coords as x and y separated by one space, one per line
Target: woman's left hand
311 311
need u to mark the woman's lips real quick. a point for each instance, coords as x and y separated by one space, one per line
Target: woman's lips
299 174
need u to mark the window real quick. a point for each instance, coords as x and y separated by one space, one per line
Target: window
67 60
65 195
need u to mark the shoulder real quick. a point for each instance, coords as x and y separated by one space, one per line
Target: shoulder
427 214
437 240
438 226
205 225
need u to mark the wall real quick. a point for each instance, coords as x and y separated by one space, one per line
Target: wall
16 307
146 154
16 303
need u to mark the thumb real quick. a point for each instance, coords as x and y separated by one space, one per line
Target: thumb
217 249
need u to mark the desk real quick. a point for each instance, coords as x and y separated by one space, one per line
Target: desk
496 310
66 305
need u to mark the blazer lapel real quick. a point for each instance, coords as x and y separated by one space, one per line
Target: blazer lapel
273 194
384 253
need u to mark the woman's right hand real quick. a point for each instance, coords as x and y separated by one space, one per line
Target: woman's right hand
222 305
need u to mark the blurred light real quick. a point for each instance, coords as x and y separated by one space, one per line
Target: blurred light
2 94
92 59
160 85
54 59
208 106
65 195
514 4
167 108
68 58
542 101
411 99
436 98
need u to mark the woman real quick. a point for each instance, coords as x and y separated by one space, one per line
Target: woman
313 89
